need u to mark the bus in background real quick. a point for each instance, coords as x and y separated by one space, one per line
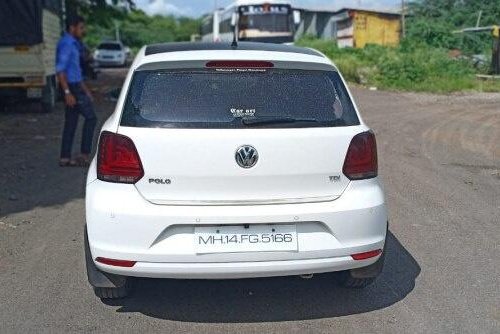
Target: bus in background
256 21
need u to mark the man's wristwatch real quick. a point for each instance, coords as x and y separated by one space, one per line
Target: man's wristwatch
67 92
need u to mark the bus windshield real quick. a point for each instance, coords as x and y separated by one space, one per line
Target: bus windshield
271 18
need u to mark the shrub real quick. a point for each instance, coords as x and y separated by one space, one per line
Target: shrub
410 66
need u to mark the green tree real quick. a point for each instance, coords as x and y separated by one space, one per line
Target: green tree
136 28
433 22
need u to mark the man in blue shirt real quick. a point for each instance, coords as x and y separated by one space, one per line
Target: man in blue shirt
77 96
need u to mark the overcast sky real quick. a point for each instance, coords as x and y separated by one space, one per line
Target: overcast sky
196 8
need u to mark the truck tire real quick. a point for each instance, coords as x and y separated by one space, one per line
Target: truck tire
113 293
49 94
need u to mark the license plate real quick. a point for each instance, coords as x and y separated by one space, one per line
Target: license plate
253 238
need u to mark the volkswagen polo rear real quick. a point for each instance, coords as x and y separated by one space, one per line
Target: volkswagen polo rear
234 164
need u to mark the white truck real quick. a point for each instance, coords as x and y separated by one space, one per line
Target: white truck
29 32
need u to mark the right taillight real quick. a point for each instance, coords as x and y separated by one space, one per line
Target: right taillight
361 159
118 160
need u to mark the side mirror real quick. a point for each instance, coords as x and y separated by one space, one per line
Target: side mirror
296 17
234 19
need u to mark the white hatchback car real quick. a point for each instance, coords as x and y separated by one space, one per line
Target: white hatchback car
110 54
225 162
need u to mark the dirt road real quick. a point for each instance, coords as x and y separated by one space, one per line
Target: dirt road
440 163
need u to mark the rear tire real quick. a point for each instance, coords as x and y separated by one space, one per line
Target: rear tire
360 278
105 285
114 293
345 280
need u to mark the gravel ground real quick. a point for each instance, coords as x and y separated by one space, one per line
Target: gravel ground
440 163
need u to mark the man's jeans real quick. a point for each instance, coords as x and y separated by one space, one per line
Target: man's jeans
84 107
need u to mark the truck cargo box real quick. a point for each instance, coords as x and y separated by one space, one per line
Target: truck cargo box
21 21
29 31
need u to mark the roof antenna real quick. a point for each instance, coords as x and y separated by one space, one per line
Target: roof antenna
234 21
234 44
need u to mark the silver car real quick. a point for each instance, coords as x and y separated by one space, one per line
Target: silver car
110 54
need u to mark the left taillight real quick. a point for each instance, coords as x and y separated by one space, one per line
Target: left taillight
117 159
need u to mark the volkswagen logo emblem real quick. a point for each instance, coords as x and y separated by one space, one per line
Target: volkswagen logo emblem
246 156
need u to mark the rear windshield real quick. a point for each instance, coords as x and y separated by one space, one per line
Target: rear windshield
110 46
229 98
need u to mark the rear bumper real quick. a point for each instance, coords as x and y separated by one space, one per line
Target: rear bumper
123 225
19 93
233 270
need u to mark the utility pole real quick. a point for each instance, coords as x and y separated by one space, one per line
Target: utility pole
479 18
495 61
117 31
403 19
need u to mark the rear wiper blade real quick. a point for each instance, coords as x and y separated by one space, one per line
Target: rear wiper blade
275 120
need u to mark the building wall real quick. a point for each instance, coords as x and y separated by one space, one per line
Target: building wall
345 32
325 26
351 28
373 28
317 24
310 25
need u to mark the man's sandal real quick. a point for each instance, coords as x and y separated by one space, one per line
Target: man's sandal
67 163
82 162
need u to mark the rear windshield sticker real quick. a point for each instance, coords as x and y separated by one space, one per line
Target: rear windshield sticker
238 112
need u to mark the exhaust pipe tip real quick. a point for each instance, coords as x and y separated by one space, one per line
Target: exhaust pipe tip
307 276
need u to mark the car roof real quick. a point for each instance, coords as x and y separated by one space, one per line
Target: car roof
198 51
111 42
243 46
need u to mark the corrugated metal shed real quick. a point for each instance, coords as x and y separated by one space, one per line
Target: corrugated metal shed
352 27
358 27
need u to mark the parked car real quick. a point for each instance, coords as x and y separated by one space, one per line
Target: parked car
110 54
225 162
29 32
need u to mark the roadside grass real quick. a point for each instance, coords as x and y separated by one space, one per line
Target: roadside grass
410 67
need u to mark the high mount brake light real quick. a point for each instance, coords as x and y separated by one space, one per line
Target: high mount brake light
361 158
239 64
118 160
